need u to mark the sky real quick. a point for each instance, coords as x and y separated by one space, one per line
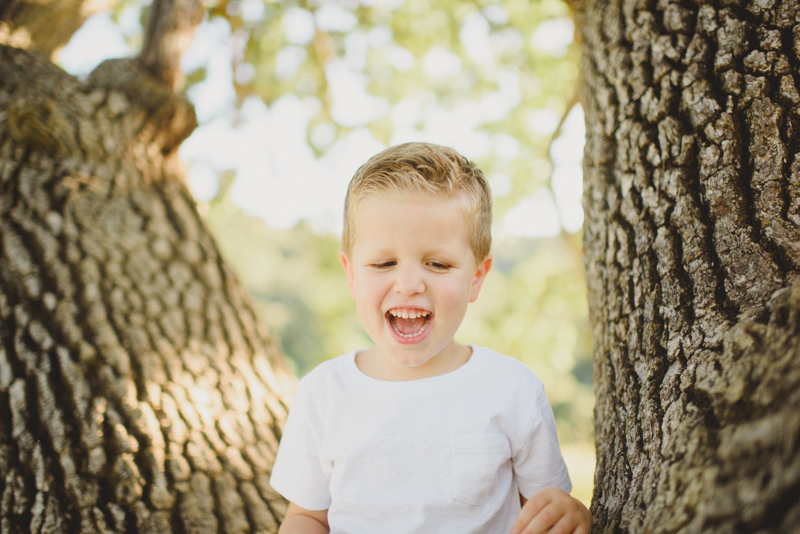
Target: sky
279 179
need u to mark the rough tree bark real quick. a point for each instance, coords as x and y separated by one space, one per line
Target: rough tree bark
138 393
692 250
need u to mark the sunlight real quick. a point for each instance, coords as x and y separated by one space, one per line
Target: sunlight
275 167
291 101
97 40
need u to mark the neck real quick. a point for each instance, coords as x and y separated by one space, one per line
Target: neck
376 365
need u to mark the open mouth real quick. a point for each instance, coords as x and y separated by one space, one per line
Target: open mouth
409 322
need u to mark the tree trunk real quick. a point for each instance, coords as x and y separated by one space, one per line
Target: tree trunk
138 393
692 250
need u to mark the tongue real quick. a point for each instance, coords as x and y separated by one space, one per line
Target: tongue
408 326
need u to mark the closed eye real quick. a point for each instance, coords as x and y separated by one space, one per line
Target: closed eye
384 264
439 266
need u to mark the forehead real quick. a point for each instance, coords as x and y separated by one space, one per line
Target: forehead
410 216
420 202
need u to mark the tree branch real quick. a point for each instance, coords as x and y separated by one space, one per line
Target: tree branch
169 32
44 26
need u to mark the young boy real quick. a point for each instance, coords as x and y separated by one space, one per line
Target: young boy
419 434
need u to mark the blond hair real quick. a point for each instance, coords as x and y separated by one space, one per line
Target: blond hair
430 169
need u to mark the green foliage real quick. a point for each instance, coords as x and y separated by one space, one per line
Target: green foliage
296 281
503 73
532 306
507 79
507 70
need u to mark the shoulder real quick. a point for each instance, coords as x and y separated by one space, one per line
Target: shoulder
325 377
509 370
509 388
505 377
326 368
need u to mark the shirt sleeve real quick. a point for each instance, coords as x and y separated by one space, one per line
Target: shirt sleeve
538 464
298 472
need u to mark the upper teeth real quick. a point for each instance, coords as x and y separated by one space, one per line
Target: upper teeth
405 314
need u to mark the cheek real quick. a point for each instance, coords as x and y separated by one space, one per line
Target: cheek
369 291
456 293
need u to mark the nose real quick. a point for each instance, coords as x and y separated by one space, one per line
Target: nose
409 281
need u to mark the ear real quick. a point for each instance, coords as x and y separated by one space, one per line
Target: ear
348 269
480 275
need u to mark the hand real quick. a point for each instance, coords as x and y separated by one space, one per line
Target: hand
299 520
555 512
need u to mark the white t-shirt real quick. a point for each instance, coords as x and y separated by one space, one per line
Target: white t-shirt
449 453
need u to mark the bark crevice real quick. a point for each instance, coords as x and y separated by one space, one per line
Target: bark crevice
691 272
155 396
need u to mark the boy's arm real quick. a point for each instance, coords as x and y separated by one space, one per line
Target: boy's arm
554 509
298 520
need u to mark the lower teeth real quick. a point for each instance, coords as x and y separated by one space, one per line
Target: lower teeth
421 330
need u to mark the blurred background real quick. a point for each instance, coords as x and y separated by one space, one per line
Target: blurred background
292 97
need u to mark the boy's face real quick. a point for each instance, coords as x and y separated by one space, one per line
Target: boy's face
412 273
